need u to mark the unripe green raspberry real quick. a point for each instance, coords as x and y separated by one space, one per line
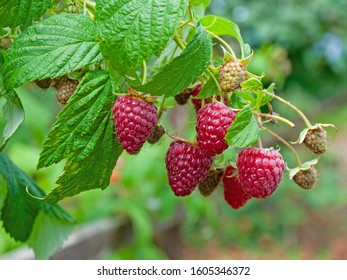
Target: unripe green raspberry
66 89
231 75
306 179
316 140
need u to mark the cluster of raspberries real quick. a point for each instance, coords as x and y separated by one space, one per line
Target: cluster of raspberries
65 87
189 164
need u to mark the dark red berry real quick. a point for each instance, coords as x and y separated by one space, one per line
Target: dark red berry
186 167
211 182
44 84
196 101
213 121
156 135
183 96
234 194
135 119
196 90
260 171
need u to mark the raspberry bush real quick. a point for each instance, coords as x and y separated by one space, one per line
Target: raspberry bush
116 67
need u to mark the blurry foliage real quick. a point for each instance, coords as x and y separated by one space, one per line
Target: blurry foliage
301 46
302 41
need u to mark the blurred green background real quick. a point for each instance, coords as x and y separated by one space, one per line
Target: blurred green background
301 46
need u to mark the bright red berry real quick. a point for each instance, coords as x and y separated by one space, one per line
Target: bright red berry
213 121
186 166
234 194
260 171
135 119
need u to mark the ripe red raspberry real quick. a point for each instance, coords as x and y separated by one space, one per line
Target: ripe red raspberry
213 121
234 194
260 171
135 119
186 166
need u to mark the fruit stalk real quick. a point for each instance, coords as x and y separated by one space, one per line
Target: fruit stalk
208 70
161 106
288 122
296 155
144 74
225 44
301 114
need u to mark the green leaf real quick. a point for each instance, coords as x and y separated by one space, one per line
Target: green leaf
92 172
262 99
184 69
271 88
222 26
21 209
14 116
3 192
1 62
251 84
13 112
209 89
237 101
48 235
132 31
248 96
206 3
84 135
52 48
244 131
2 86
18 12
81 123
247 50
266 97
